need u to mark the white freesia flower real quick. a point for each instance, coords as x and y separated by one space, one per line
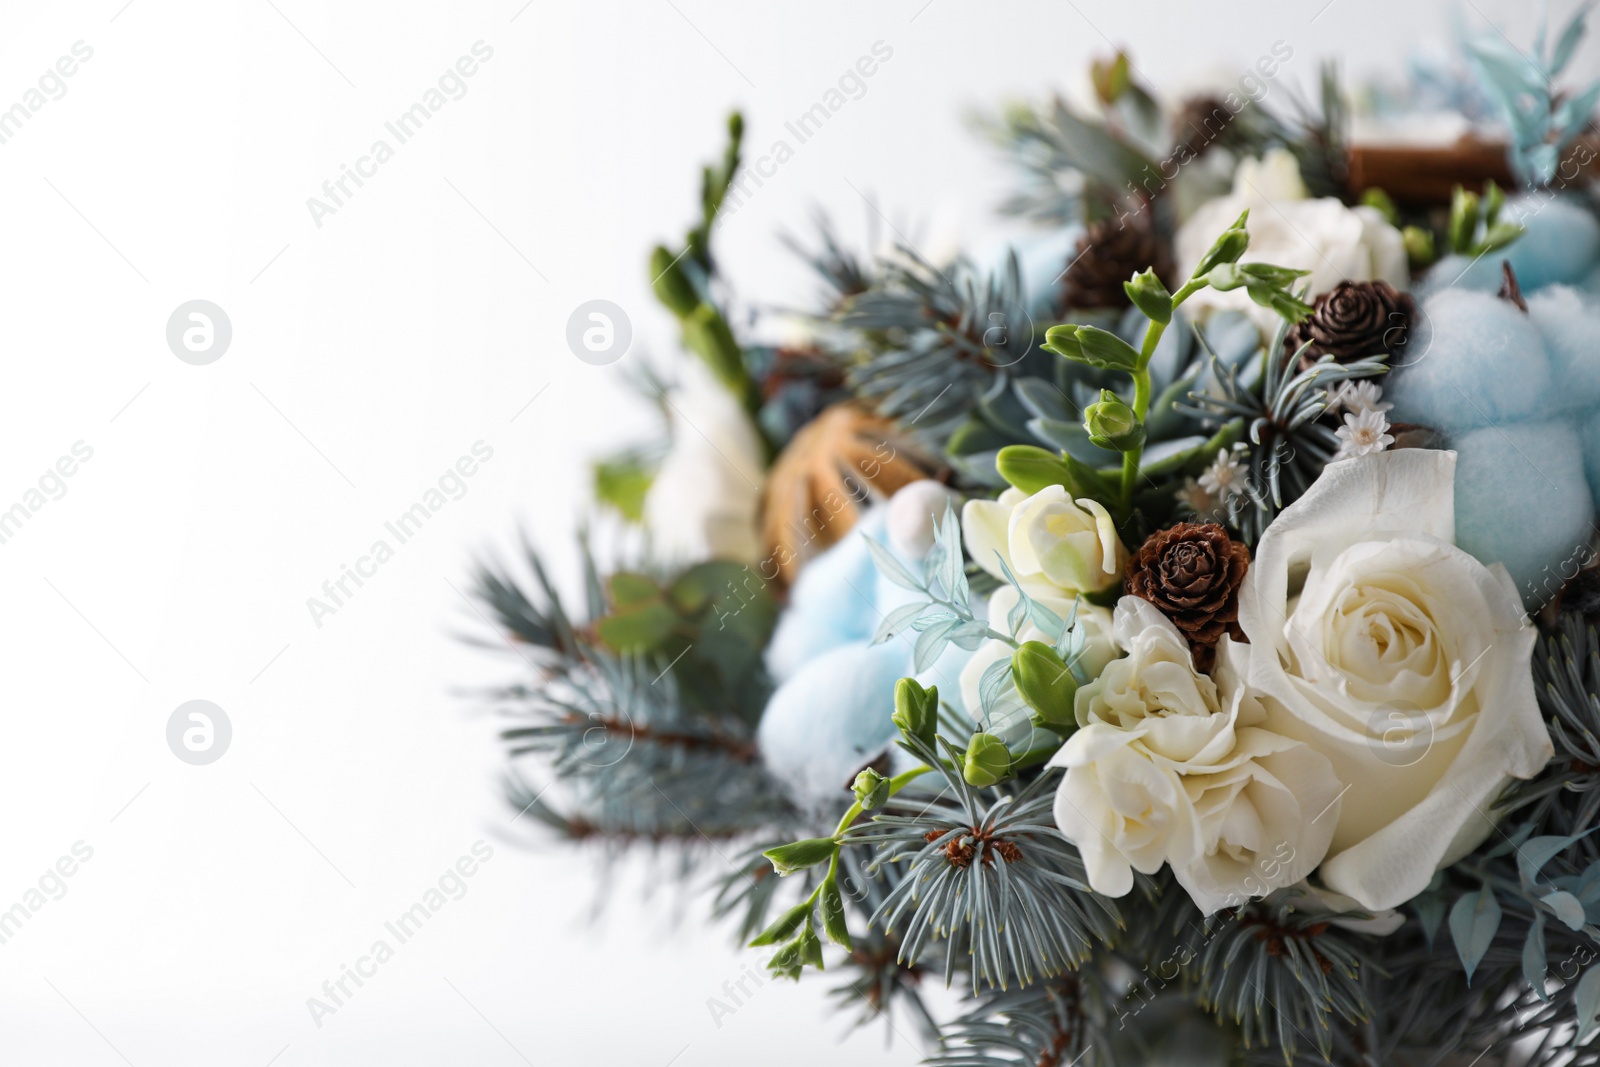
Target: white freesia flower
1055 546
1332 241
704 501
1171 766
1400 658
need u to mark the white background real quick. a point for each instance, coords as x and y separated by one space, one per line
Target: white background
368 354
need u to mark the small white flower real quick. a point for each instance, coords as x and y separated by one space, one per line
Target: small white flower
1357 397
1199 500
1225 477
1363 433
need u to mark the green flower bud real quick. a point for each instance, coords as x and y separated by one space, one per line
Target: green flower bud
987 762
1493 200
1150 296
1063 341
1377 198
810 947
1112 424
871 789
1228 247
1110 77
671 284
1046 685
1463 219
1420 249
916 710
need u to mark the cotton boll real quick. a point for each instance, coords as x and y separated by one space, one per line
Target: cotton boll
1522 500
1476 273
1570 326
830 718
1475 359
1560 245
913 514
825 608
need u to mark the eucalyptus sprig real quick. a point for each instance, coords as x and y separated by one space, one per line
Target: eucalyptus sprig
1115 424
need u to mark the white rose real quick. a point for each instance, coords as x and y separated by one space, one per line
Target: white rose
1399 657
1014 723
1171 766
1332 241
1053 545
706 497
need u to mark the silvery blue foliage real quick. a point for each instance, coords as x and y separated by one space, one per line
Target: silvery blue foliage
1517 394
1541 119
830 713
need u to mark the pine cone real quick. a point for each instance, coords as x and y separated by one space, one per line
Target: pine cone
1191 573
1108 254
1353 320
1200 123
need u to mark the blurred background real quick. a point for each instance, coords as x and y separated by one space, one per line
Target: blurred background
187 913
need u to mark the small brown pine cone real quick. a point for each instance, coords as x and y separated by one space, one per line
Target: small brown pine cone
1191 573
1354 320
1109 253
1200 122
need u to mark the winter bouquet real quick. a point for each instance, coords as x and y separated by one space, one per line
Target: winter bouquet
1179 637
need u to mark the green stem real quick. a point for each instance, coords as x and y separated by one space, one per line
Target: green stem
1141 390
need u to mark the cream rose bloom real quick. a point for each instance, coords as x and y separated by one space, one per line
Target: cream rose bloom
1287 228
1055 546
1171 766
1399 657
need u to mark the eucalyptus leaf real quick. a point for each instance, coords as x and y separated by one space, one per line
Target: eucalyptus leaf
1586 1001
891 568
1473 922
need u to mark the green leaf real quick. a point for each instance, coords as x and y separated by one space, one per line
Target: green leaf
1587 1002
891 568
706 333
798 855
1463 219
1534 853
623 482
810 948
1534 964
833 917
784 926
1031 468
628 589
1567 908
1430 914
639 627
1473 923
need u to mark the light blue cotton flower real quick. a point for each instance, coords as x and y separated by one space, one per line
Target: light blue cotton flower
831 712
1473 360
1522 500
1516 394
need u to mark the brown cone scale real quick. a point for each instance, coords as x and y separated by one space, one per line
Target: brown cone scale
1191 573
